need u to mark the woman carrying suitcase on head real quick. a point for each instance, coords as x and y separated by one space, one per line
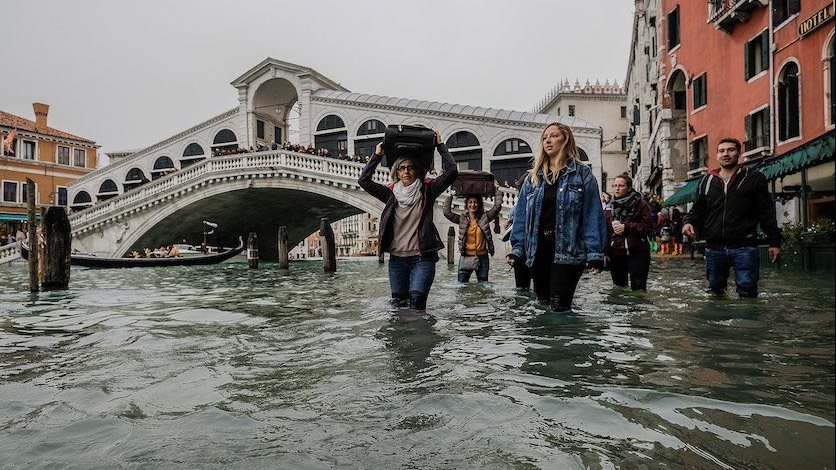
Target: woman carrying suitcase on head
559 227
407 231
475 241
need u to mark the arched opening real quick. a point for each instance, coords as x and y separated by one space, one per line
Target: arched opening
369 135
275 113
81 201
789 111
134 179
162 166
677 90
192 154
512 159
107 190
331 135
466 150
225 141
583 155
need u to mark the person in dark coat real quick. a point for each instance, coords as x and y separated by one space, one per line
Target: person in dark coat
406 228
628 225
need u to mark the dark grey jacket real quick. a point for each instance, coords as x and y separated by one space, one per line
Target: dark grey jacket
428 239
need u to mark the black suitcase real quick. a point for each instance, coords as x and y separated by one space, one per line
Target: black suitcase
415 142
474 183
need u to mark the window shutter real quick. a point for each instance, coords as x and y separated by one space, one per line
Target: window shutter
746 62
767 137
750 136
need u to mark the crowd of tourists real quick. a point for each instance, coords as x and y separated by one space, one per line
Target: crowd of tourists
562 226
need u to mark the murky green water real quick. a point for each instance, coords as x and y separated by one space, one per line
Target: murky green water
222 367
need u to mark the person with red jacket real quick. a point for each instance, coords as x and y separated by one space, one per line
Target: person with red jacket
628 225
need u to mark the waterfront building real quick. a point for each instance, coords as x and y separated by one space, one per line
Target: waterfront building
756 70
52 158
605 105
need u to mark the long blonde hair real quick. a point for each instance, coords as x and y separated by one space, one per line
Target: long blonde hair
568 151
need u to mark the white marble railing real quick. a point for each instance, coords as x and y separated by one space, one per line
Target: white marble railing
9 253
327 169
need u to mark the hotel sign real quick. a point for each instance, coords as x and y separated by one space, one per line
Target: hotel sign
816 21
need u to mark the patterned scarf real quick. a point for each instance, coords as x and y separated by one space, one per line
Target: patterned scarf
624 208
407 195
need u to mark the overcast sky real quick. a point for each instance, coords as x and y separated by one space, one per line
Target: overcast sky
129 73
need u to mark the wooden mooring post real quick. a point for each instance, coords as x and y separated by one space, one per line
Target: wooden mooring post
32 237
451 246
329 250
252 250
55 263
284 261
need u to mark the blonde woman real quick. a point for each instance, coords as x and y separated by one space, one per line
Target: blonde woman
559 226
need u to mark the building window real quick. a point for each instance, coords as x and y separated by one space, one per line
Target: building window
571 110
332 121
259 129
673 28
193 150
62 155
789 112
62 196
558 110
79 157
27 150
699 153
700 91
624 111
757 130
342 145
756 55
277 134
9 191
623 142
783 9
24 192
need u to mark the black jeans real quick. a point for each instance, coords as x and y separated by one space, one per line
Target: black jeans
522 275
555 283
637 266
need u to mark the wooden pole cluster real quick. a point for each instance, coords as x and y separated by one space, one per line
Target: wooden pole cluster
329 249
252 250
55 263
49 262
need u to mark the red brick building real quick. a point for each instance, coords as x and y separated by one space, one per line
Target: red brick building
760 71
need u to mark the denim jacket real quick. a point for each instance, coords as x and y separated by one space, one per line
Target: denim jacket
581 231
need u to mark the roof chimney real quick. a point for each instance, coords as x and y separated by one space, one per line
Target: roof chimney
41 112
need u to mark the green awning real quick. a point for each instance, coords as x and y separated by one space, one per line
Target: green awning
815 152
12 217
685 194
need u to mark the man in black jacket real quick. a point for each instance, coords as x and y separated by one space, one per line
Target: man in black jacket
731 202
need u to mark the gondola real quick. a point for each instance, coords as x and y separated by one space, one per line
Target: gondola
92 261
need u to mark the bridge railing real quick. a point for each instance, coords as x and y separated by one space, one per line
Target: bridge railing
311 165
9 253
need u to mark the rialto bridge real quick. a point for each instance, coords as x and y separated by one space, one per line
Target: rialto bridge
161 193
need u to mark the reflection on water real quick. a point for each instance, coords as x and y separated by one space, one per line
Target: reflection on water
224 367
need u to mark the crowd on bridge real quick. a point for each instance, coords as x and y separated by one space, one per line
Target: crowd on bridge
309 149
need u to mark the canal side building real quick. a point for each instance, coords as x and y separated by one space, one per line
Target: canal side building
767 82
52 158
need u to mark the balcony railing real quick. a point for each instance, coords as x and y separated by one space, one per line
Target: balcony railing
755 142
726 13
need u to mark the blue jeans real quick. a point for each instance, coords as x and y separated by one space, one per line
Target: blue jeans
482 270
746 264
410 278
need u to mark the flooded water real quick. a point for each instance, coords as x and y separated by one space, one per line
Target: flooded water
223 367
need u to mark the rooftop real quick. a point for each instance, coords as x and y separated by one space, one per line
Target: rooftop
22 124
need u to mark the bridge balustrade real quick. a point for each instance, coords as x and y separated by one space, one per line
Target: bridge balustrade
308 165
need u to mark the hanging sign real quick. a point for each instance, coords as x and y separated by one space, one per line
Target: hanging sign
816 21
